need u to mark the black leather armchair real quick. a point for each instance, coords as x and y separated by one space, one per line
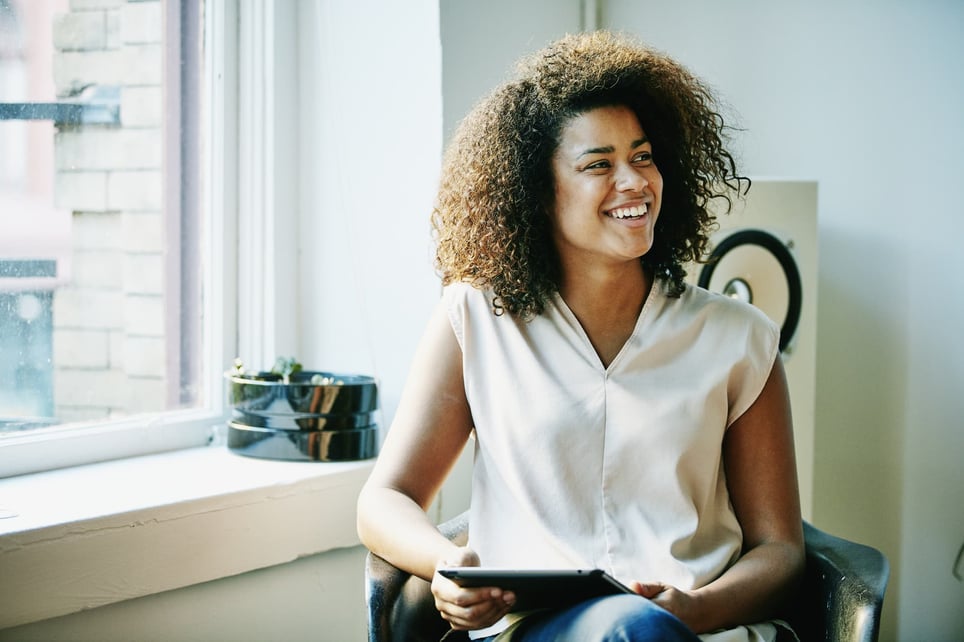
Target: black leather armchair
840 600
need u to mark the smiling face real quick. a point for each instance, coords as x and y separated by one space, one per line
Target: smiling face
607 188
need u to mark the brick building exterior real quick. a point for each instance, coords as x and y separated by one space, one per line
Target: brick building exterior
109 340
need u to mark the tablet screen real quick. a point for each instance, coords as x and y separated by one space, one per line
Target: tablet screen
538 589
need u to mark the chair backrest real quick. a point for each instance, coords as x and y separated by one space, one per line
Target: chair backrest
842 595
840 600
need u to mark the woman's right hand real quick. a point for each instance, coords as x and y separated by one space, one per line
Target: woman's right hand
468 609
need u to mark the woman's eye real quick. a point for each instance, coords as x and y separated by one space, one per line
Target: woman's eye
600 164
643 157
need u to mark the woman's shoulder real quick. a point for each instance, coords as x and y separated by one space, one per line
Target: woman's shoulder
461 295
459 288
736 331
463 290
698 297
703 303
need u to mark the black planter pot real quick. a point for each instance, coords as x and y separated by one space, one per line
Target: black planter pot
311 416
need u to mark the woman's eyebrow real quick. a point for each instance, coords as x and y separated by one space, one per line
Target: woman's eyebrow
609 149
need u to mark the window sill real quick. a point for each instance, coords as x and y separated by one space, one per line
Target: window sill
93 535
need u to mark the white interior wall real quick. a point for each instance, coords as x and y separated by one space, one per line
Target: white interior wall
372 124
482 40
865 96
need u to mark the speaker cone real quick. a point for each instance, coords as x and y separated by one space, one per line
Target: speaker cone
756 267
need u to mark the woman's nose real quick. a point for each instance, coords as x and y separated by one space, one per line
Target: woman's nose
630 179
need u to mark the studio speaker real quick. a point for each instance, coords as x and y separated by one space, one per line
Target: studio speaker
765 253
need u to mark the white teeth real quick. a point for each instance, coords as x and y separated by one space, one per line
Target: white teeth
629 212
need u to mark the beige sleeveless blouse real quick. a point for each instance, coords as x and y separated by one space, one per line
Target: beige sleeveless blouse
619 468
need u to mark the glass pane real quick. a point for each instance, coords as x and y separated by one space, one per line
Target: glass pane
100 300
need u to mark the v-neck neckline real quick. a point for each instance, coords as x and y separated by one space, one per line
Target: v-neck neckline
655 292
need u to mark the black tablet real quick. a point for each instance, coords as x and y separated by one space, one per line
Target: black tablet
538 589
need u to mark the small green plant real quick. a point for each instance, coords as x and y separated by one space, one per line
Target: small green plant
286 366
283 367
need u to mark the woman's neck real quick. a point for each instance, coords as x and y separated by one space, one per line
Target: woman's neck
613 290
607 304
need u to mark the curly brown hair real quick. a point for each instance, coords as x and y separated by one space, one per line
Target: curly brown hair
490 221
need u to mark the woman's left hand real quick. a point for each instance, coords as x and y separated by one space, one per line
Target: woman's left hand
682 604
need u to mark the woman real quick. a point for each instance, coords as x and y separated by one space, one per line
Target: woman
623 420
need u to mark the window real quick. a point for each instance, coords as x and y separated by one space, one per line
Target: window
299 251
111 246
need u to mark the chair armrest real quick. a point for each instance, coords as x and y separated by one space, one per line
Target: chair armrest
843 591
400 606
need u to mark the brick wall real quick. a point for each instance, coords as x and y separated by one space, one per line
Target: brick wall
109 344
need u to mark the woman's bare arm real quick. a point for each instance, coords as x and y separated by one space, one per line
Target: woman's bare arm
431 427
429 431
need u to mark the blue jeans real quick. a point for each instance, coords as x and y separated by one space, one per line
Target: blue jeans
617 618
